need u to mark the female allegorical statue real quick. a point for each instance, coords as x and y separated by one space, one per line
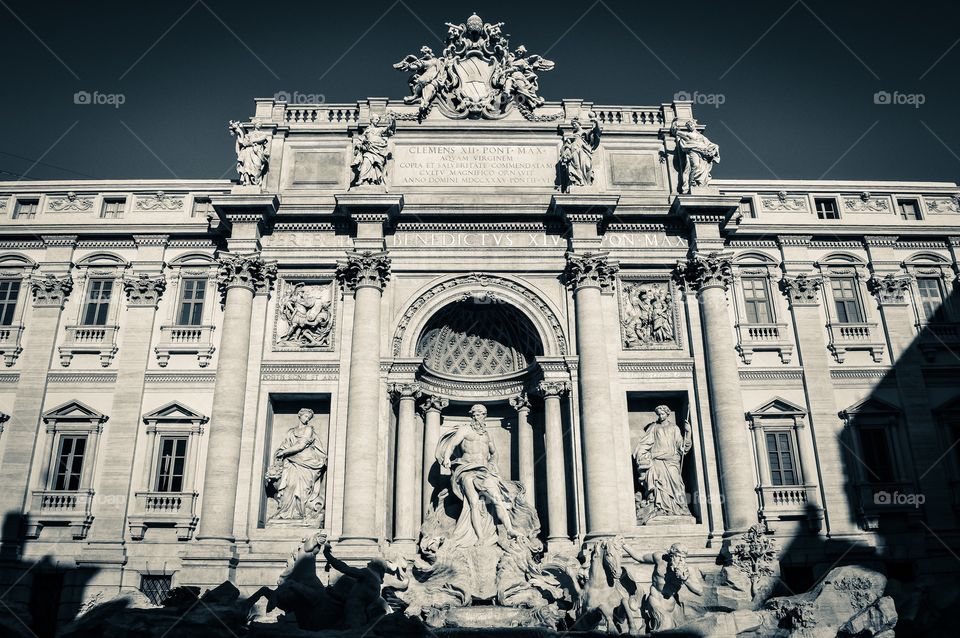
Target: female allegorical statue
658 457
370 152
696 155
253 152
296 476
576 154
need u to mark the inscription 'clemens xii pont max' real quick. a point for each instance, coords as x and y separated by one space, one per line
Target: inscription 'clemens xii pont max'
474 165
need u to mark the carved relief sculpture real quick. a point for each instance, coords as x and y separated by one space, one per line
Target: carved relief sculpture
647 315
695 155
755 555
662 607
253 153
307 313
159 201
865 203
576 153
477 74
71 202
371 150
658 457
784 202
295 479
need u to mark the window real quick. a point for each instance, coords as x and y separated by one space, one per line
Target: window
171 463
909 209
98 302
69 462
9 292
756 298
931 298
26 209
192 294
746 207
113 208
827 208
156 587
846 300
877 459
202 207
782 460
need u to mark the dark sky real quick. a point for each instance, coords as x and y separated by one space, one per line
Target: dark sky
797 79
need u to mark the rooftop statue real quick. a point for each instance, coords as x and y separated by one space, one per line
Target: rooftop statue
695 155
476 75
253 153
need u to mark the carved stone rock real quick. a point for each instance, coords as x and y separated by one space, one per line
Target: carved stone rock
755 555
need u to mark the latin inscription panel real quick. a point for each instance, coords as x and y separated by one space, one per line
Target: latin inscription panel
465 165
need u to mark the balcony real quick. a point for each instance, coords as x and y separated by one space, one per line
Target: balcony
785 501
936 337
163 509
855 336
60 508
196 340
880 499
99 340
10 343
759 337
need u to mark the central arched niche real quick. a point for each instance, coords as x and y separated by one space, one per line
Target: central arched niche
471 338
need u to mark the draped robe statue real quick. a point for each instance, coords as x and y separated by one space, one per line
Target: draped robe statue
658 456
296 476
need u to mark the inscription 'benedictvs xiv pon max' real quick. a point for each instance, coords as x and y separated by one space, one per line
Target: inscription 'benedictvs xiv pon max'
495 357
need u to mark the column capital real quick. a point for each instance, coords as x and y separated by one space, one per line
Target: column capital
704 270
590 270
520 402
890 289
405 390
248 271
144 290
50 290
553 388
801 290
364 269
433 403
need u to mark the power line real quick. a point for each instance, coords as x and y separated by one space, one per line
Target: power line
17 175
38 163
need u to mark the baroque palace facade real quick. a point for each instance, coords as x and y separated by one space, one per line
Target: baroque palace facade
199 373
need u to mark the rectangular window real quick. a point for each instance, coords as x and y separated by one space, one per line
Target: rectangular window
783 466
9 292
756 297
931 298
97 308
26 209
877 460
846 300
909 209
202 207
113 208
156 587
827 208
171 464
192 295
69 462
746 207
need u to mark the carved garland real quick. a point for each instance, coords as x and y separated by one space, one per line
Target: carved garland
484 280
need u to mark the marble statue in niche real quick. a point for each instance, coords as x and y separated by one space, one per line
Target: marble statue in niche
658 457
308 316
695 156
295 479
371 152
253 153
576 153
648 315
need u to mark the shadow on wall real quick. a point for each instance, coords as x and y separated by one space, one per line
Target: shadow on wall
901 465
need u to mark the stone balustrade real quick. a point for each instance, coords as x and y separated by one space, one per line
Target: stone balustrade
99 340
196 340
60 507
163 509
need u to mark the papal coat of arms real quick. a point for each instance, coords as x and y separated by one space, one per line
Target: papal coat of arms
477 74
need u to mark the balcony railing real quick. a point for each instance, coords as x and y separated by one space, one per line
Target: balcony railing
855 336
10 343
99 340
761 337
786 500
935 337
163 509
196 340
62 508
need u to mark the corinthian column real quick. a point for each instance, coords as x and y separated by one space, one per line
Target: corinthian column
432 406
364 273
586 274
710 275
521 404
557 525
239 277
405 502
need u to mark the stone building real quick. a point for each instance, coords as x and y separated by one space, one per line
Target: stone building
388 264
